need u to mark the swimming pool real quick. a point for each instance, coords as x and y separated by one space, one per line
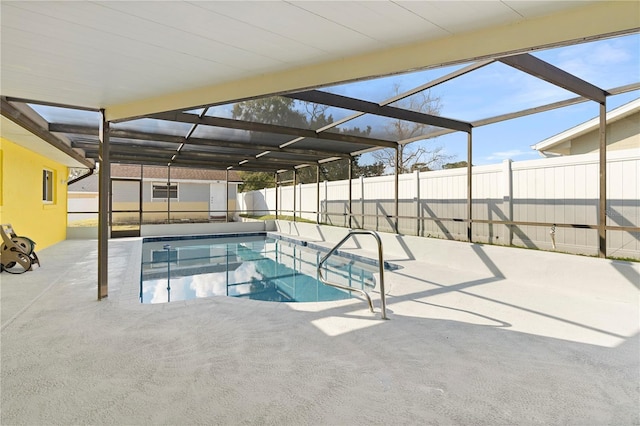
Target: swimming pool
255 266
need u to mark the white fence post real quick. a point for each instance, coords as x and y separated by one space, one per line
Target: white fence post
362 201
507 199
418 210
300 199
326 201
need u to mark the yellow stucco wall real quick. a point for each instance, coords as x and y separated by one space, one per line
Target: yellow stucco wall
21 195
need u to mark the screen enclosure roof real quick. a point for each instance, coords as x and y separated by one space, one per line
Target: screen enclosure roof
166 76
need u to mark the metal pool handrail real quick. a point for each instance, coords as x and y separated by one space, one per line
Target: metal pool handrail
380 265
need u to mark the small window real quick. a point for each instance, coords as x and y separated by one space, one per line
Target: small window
162 190
47 186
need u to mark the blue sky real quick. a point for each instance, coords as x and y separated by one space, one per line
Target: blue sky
498 89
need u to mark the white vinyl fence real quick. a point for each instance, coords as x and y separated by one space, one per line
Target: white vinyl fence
561 190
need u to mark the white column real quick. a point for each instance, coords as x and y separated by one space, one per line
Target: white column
418 209
507 200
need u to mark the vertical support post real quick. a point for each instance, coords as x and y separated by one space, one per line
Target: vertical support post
295 183
349 211
469 187
396 188
103 207
418 210
602 210
318 194
168 193
275 177
226 181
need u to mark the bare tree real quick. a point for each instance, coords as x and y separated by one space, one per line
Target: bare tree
416 155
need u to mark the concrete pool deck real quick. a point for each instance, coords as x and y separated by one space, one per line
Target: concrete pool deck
464 345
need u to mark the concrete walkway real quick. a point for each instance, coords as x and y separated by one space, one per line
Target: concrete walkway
462 346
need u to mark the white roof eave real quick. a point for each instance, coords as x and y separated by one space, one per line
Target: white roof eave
588 126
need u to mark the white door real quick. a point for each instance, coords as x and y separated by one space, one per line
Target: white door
217 199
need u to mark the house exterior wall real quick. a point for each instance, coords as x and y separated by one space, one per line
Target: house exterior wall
192 196
192 203
193 191
621 134
21 202
232 194
187 191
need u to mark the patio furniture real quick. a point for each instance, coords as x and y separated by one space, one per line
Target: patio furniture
17 254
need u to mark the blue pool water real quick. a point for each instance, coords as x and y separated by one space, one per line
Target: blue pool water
255 267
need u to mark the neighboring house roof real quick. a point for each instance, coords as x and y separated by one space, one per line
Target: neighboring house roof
588 126
90 183
159 172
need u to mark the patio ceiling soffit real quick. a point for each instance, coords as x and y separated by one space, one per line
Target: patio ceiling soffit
584 22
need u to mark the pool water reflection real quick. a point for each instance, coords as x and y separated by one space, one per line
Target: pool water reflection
254 267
